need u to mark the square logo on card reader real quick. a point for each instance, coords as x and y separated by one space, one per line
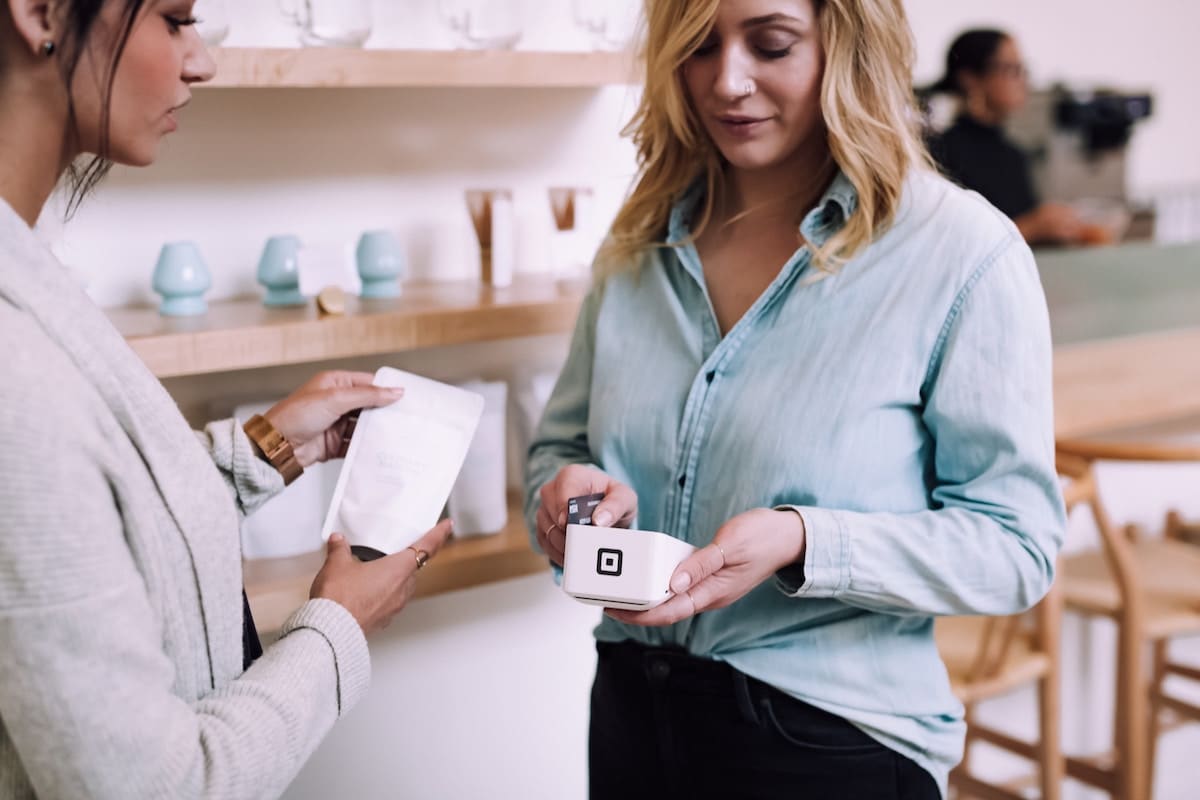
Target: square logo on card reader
608 562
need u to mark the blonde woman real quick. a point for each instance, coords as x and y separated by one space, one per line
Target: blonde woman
829 369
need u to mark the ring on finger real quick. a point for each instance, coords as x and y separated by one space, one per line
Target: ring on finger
421 555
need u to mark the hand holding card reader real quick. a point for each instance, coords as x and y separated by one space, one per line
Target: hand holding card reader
616 567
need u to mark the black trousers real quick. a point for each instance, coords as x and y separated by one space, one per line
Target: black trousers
667 725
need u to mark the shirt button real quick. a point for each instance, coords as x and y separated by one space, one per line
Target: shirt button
709 377
682 480
660 670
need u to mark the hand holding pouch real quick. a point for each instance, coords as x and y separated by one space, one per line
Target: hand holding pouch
402 463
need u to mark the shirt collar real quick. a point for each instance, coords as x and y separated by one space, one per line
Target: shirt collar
825 219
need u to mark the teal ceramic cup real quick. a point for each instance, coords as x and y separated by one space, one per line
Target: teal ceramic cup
279 271
381 262
182 278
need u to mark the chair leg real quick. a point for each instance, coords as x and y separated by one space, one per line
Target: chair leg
1157 677
969 719
1129 727
1181 531
1174 527
1052 766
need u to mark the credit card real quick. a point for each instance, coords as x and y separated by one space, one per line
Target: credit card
579 509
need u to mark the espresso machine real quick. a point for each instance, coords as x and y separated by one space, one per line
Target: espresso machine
1077 142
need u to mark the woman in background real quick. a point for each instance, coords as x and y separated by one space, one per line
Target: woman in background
984 70
828 368
125 645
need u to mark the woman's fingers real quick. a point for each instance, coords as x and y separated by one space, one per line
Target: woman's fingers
619 506
575 480
696 567
339 401
550 537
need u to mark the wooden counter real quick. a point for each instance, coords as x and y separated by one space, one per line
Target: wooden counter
1126 329
1126 382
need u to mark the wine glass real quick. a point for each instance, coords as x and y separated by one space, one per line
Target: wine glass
483 24
611 23
212 21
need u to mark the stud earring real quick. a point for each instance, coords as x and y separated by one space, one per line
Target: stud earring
48 48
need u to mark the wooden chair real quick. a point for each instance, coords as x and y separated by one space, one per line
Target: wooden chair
988 657
1181 530
1150 587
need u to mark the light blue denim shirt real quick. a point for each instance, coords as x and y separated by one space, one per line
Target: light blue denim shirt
901 404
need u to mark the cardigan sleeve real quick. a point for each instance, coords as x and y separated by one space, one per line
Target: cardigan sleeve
252 480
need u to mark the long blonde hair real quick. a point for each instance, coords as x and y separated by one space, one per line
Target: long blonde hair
867 107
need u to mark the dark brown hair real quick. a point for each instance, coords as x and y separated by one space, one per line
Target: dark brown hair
78 18
972 51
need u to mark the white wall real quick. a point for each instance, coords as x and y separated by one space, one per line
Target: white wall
484 692
1129 46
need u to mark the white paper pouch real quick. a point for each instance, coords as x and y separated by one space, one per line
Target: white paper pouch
478 502
402 463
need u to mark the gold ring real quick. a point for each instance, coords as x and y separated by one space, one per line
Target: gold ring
724 558
552 526
422 556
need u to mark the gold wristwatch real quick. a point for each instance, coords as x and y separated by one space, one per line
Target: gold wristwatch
276 448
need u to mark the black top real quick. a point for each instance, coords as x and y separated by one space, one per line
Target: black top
251 645
979 157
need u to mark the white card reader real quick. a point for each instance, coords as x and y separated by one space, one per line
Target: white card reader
620 568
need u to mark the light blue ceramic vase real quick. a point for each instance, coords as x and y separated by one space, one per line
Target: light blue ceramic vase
279 272
381 263
182 278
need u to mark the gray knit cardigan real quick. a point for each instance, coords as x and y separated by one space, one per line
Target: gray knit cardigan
120 575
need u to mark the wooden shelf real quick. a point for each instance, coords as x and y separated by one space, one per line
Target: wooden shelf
278 586
350 68
243 334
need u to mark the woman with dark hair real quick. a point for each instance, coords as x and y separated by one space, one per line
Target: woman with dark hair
985 72
125 641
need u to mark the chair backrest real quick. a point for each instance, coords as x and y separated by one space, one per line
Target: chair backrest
1075 463
1078 465
1092 450
999 633
994 645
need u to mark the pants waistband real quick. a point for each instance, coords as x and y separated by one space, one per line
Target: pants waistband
675 669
